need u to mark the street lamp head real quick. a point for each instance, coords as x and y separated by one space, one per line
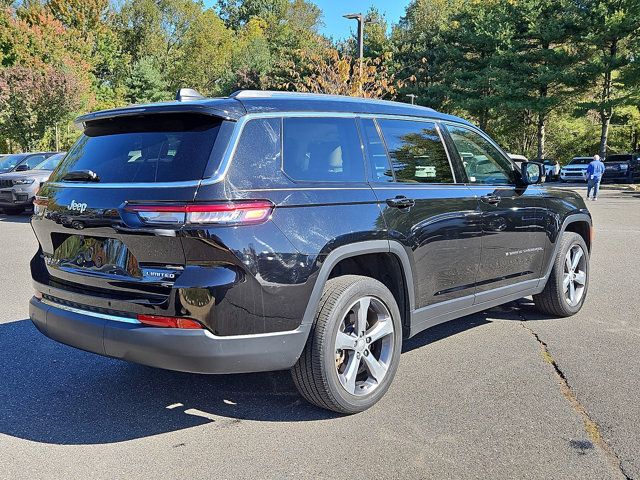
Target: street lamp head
353 16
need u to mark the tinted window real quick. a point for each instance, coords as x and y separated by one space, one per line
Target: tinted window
619 158
10 161
416 151
481 160
50 163
156 148
376 152
256 161
580 161
322 150
34 161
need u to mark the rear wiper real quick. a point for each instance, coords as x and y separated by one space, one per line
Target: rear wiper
81 176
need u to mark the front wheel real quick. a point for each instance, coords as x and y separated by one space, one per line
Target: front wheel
353 349
566 288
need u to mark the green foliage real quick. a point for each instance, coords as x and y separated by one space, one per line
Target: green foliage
32 100
552 78
146 83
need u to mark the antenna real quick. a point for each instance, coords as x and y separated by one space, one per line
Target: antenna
186 94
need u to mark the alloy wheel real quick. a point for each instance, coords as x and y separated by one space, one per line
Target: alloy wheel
575 275
364 346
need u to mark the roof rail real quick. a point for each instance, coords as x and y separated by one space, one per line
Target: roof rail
186 94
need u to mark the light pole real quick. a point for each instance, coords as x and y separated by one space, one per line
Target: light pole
360 18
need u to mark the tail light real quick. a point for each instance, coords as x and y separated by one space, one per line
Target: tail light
229 213
168 322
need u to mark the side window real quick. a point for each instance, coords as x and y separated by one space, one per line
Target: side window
35 160
481 160
416 151
322 150
376 153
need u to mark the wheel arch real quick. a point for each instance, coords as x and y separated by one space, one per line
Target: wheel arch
368 258
579 223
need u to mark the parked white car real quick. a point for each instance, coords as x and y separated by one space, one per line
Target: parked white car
551 169
575 170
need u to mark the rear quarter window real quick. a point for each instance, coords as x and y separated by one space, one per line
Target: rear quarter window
155 148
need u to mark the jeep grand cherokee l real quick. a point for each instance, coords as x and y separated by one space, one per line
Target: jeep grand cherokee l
269 231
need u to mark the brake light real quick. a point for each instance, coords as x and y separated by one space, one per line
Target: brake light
168 322
229 213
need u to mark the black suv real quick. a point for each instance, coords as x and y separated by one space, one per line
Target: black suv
622 168
269 231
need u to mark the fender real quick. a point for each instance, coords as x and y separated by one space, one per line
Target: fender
353 250
573 218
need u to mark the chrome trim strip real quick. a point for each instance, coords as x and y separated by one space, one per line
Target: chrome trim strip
89 313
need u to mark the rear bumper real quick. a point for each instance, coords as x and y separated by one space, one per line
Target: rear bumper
195 351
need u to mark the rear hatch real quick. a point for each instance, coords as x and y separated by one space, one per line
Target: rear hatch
93 249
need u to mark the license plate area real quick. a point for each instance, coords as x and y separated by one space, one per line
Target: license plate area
94 255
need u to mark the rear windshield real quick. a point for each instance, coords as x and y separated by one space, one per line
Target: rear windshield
155 148
618 158
580 161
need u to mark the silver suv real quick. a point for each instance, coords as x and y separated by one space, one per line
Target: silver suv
19 188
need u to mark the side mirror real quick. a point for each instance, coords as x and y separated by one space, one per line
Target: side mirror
22 168
532 173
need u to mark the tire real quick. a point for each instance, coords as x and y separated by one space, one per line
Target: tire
323 372
554 299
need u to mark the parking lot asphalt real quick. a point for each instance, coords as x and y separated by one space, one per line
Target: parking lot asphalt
507 393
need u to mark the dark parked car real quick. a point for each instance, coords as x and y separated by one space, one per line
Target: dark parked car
269 231
20 162
622 168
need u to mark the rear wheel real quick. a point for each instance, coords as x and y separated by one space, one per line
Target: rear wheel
353 349
566 288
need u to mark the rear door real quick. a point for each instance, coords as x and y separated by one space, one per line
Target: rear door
92 244
513 217
434 217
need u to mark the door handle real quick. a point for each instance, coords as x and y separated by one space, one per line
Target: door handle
491 199
401 202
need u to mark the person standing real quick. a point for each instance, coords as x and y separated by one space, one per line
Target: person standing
594 175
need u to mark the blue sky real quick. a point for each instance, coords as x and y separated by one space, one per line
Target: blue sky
339 28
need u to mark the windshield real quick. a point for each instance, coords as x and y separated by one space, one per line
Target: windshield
10 161
50 163
155 148
549 162
581 161
618 158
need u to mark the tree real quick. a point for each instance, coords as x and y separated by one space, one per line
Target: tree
146 84
611 29
475 51
332 73
32 101
419 52
539 71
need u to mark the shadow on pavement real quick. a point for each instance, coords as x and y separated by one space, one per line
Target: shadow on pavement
57 394
21 218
